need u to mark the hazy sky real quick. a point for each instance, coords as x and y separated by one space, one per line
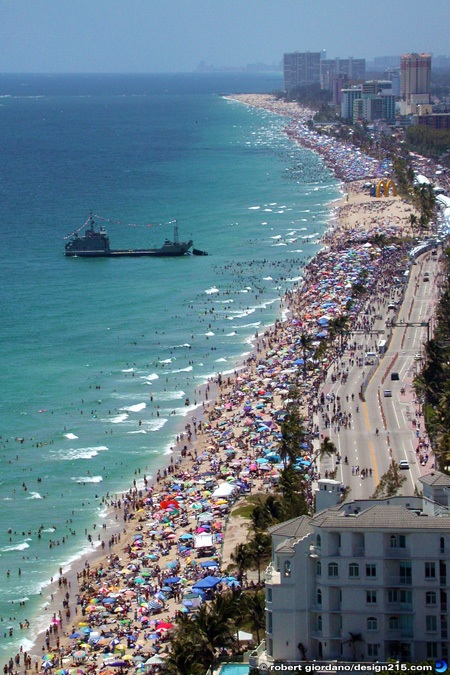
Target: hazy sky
175 35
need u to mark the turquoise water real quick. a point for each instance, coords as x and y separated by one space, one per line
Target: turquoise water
98 356
235 669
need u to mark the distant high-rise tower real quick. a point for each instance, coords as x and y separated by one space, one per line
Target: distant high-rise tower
300 68
415 77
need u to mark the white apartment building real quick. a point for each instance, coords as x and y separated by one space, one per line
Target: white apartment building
365 580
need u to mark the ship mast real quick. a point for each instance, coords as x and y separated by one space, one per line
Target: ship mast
175 233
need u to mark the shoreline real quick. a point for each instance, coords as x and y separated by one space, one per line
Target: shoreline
259 350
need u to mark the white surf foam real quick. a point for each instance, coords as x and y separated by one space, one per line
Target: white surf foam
80 453
183 370
71 436
88 479
212 290
135 408
15 547
34 495
118 419
151 377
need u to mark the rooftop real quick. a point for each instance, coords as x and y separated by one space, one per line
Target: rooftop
436 478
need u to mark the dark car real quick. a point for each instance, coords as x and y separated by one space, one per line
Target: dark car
395 376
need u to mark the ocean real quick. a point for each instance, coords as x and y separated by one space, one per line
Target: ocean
98 357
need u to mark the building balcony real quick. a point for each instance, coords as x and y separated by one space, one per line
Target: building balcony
395 633
358 551
322 609
392 580
272 576
398 607
321 635
398 553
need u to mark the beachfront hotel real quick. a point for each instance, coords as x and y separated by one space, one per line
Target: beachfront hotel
365 580
415 81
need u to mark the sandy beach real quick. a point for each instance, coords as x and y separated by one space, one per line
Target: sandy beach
118 609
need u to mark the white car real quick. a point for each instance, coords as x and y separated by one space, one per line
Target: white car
403 464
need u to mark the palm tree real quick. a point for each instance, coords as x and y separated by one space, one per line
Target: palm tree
184 658
255 611
305 344
242 558
413 221
353 640
260 548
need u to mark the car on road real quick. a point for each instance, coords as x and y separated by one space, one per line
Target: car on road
395 376
417 357
403 464
387 393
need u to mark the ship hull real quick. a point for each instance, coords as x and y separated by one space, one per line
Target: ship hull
137 253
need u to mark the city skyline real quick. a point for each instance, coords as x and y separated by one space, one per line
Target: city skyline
147 36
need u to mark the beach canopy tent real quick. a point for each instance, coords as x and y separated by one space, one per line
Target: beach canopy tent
224 490
242 636
209 563
203 540
207 582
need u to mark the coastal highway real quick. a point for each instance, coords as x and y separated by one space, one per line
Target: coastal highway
393 415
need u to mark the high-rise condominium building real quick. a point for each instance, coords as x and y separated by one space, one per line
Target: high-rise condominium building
364 580
415 77
301 68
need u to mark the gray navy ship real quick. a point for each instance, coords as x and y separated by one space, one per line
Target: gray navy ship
95 244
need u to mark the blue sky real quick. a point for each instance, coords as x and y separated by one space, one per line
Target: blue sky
175 35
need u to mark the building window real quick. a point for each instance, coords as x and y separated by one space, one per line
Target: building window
269 595
442 545
430 598
372 623
319 623
371 570
353 570
333 570
371 597
287 568
269 621
318 569
372 650
431 623
432 650
319 541
393 622
398 541
339 541
430 570
319 596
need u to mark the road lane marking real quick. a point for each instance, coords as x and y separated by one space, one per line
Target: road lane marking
371 445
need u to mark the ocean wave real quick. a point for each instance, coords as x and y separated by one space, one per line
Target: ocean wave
212 290
168 395
230 334
88 479
155 425
16 547
150 378
249 325
71 436
182 370
80 453
167 361
118 419
186 344
34 495
128 370
141 431
135 408
241 315
220 360
282 243
277 236
267 279
253 208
